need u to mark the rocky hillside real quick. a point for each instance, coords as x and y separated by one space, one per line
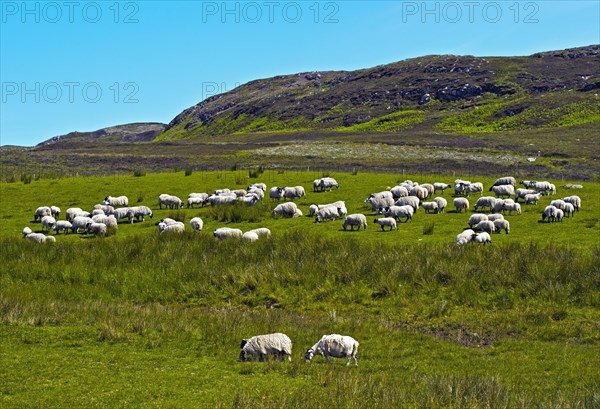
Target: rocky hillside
136 132
438 93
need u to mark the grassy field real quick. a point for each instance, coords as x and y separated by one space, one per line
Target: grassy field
142 320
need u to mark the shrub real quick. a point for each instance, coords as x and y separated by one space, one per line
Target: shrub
428 228
188 170
137 172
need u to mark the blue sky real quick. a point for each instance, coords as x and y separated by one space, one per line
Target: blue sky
84 65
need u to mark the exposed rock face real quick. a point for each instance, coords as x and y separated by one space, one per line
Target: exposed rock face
136 132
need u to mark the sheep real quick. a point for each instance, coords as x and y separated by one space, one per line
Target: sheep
80 222
287 209
141 211
464 237
461 187
169 201
49 239
334 345
276 193
258 191
313 209
250 199
196 224
55 211
398 192
355 219
440 186
495 216
476 218
124 212
521 193
411 201
62 225
516 207
483 237
177 227
116 201
26 231
108 210
262 232
261 346
543 187
461 203
250 236
48 223
110 221
293 192
98 229
316 185
550 213
259 185
503 190
223 233
558 203
430 207
41 212
37 237
418 191
574 200
220 192
97 212
397 212
569 209
429 187
559 215
485 225
502 224
327 213
72 212
532 198
485 201
239 193
528 183
441 203
386 221
507 180
196 199
475 187
219 200
328 183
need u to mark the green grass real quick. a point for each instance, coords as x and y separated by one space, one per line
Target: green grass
142 320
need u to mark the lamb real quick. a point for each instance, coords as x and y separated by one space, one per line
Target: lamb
574 200
123 212
169 201
196 224
532 198
261 346
355 219
293 192
386 221
42 211
334 345
62 225
48 223
485 225
481 238
116 201
55 211
430 207
507 180
98 229
177 227
141 211
398 192
440 186
250 236
110 221
397 212
80 222
411 201
276 193
464 237
223 233
327 213
441 203
476 218
485 201
521 193
502 224
503 190
514 206
287 209
461 203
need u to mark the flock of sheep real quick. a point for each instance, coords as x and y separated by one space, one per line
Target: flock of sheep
280 346
398 203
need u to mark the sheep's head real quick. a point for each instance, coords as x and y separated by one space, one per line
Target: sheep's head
243 356
308 356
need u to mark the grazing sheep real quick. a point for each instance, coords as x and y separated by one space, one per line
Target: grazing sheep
529 184
116 201
327 213
41 212
398 212
429 187
507 180
558 203
196 199
55 211
503 190
355 219
239 193
512 207
441 203
258 185
196 224
261 346
418 191
532 198
461 203
141 211
223 233
108 210
48 223
495 216
250 199
262 232
169 201
411 201
380 200
313 209
550 213
497 208
316 185
334 345
559 215
250 236
62 225
430 207
398 192
80 222
287 209
574 200
476 218
220 200
569 209
110 221
386 221
276 193
485 225
220 192
168 221
258 191
97 229
73 212
293 192
122 213
96 212
36 237
440 186
461 187
485 201
474 187
328 183
483 237
464 237
521 193
177 227
502 224
544 187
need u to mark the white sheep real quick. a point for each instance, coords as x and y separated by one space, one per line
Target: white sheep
287 209
196 199
55 211
327 213
62 225
48 223
258 191
461 203
96 212
574 200
239 193
529 184
544 187
293 192
250 199
464 237
569 209
73 212
167 220
110 221
441 203
503 190
97 229
223 233
380 200
476 218
550 213
313 209
37 237
177 227
80 222
512 207
502 224
261 346
398 192
495 216
355 219
440 186
559 215
474 187
258 185
418 191
108 210
411 201
219 200
276 193
328 183
430 207
532 198
262 232
485 201
116 201
250 236
485 225
122 213
398 212
521 193
483 237
429 187
506 180
196 224
558 203
141 211
386 221
334 345
41 212
169 201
